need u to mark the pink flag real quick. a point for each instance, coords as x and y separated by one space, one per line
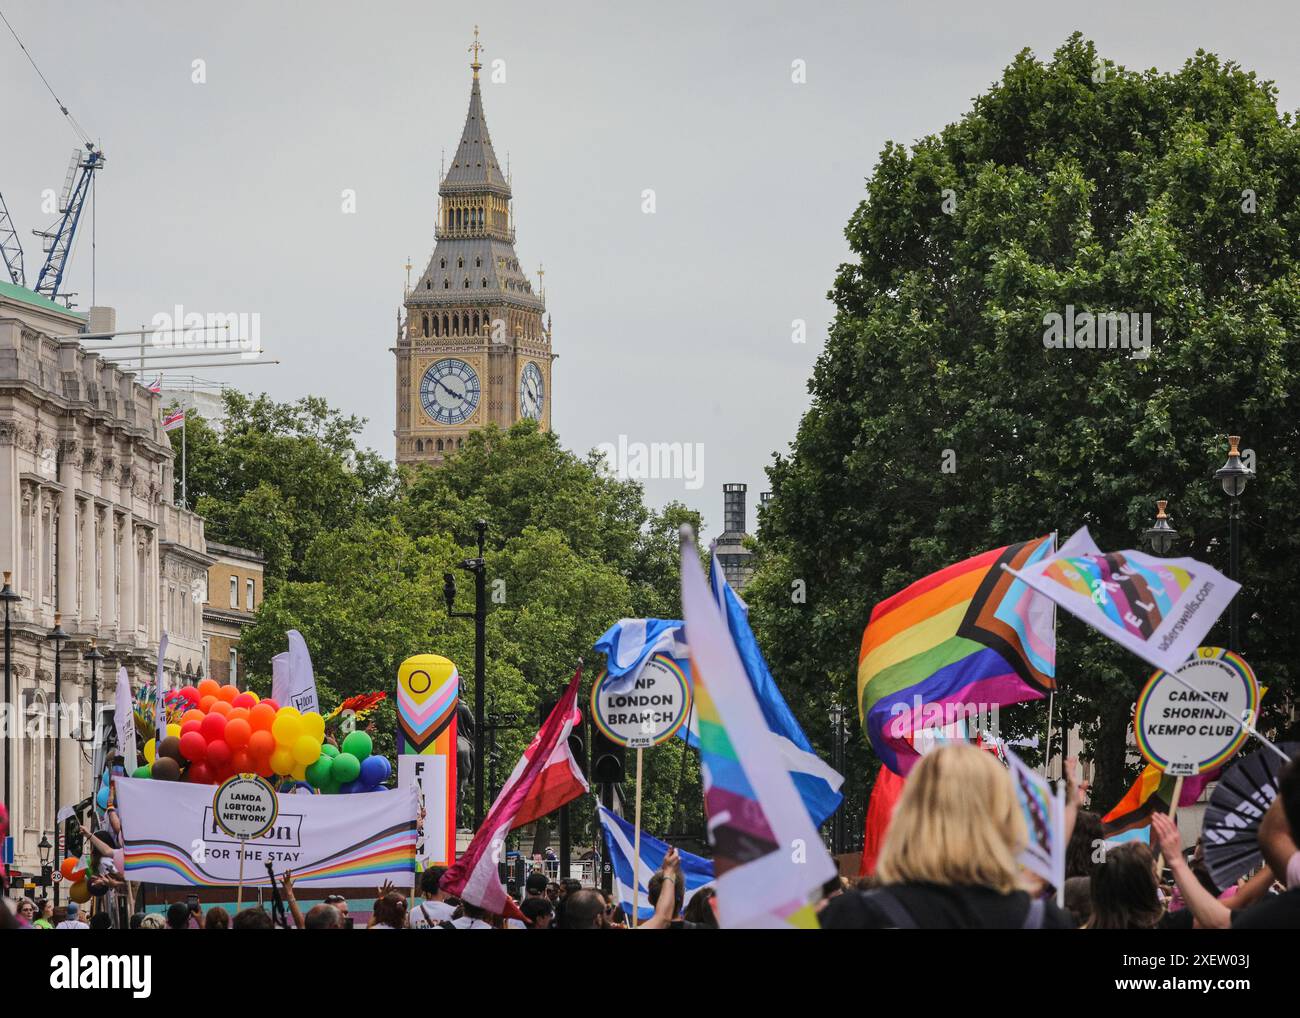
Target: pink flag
544 779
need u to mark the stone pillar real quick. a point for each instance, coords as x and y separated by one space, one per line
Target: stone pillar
90 565
70 478
108 548
10 498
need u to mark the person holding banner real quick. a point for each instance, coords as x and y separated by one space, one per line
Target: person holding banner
950 858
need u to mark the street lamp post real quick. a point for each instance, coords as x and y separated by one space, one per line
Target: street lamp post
1161 535
57 637
837 758
477 566
1234 475
8 595
47 871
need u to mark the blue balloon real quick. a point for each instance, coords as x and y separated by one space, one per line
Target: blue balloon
373 788
349 787
372 770
101 800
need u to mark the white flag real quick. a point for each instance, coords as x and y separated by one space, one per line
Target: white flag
159 711
1159 608
124 720
293 683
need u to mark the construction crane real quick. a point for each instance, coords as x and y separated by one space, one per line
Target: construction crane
58 238
10 247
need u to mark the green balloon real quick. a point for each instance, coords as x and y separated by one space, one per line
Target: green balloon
359 744
318 774
329 749
345 767
330 787
146 771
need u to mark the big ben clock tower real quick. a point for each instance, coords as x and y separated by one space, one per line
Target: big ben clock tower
473 349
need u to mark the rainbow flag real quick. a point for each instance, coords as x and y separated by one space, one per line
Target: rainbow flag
1153 792
952 647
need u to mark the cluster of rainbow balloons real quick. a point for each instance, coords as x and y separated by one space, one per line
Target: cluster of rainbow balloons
223 732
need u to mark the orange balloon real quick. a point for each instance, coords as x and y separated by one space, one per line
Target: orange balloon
238 732
221 707
208 687
194 714
261 744
262 717
69 866
205 704
237 712
227 693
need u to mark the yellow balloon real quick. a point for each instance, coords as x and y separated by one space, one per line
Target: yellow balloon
174 729
282 761
149 750
314 725
79 892
286 727
306 750
299 773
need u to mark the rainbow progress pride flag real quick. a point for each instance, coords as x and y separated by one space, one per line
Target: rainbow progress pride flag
953 646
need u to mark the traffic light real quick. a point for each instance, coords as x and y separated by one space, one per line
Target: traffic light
606 759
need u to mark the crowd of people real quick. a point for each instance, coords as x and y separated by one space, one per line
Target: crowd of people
950 860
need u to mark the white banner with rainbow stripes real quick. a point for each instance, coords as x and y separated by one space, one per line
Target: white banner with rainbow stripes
357 840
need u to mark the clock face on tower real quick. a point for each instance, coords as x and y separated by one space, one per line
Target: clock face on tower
449 391
532 392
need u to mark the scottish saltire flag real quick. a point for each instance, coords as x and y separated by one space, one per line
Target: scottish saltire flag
629 643
818 782
620 847
1159 608
1044 812
953 646
174 420
769 860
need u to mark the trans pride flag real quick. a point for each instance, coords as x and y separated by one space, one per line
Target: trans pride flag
958 642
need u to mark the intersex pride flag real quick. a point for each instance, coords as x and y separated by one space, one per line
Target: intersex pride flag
1159 608
955 643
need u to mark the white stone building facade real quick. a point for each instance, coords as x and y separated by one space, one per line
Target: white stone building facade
89 531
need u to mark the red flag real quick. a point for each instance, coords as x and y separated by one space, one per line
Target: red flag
545 778
885 791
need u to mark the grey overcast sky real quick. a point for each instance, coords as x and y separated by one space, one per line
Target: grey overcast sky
671 327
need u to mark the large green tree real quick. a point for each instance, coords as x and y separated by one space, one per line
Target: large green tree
941 424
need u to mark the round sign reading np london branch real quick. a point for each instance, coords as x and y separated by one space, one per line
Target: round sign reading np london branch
245 806
1179 731
650 712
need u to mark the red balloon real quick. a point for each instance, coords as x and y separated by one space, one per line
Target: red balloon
199 774
261 744
244 699
190 693
264 768
190 726
271 703
69 866
218 754
213 727
193 746
238 732
241 762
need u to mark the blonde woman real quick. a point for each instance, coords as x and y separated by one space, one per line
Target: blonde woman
949 860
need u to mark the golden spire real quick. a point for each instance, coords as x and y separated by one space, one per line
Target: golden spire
476 48
408 275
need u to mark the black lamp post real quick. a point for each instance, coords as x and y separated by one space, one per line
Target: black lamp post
1234 475
47 871
837 761
1161 535
8 595
478 567
57 637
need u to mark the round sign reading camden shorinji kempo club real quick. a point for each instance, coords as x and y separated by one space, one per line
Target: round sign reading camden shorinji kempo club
650 712
1180 732
245 806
